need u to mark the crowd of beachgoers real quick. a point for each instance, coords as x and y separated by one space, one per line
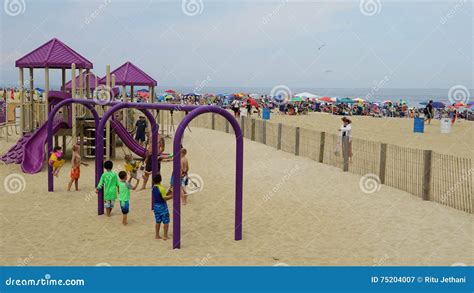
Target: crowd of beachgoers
302 105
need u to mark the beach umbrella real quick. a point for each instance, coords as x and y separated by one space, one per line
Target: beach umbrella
170 92
278 98
438 105
296 99
359 100
252 102
142 91
169 97
459 105
387 101
344 100
143 95
306 95
39 89
326 99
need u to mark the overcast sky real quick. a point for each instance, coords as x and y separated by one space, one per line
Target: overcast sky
348 44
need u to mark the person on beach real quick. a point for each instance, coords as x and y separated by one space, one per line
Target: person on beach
108 181
55 160
148 160
453 114
160 208
346 133
131 165
183 176
76 163
140 130
236 107
429 112
124 196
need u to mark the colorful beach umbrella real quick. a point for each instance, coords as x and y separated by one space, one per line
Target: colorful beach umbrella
438 105
170 92
344 100
296 99
326 99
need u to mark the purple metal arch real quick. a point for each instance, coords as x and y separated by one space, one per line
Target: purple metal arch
177 170
99 154
89 105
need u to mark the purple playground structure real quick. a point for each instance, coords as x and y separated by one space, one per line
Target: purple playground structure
61 117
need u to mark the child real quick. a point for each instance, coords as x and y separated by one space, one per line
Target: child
183 176
160 208
132 166
55 160
124 192
109 178
75 168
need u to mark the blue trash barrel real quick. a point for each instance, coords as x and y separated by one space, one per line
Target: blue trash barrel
419 125
266 114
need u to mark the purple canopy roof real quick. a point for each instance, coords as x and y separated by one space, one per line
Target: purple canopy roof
53 54
129 74
92 78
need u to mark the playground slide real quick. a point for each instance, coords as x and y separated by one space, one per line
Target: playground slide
34 147
127 138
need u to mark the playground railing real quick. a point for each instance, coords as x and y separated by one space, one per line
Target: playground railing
445 179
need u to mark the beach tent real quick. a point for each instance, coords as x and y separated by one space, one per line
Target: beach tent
306 95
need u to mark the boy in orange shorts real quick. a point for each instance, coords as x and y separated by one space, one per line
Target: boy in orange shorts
75 168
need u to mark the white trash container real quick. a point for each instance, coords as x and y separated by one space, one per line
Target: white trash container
445 125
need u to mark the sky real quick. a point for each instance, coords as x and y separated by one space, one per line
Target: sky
317 44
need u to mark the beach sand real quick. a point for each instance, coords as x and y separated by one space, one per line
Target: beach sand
398 131
296 212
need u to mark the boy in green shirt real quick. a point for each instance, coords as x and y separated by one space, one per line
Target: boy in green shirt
124 195
110 180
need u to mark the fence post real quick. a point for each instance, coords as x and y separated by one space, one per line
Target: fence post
226 126
345 153
213 121
252 130
297 141
321 146
383 162
264 132
427 154
280 126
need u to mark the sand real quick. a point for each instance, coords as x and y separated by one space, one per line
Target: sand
296 212
396 131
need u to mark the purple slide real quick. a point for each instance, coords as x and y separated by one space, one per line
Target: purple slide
30 149
127 138
34 148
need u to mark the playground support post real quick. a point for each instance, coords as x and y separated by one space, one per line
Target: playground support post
73 107
22 100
